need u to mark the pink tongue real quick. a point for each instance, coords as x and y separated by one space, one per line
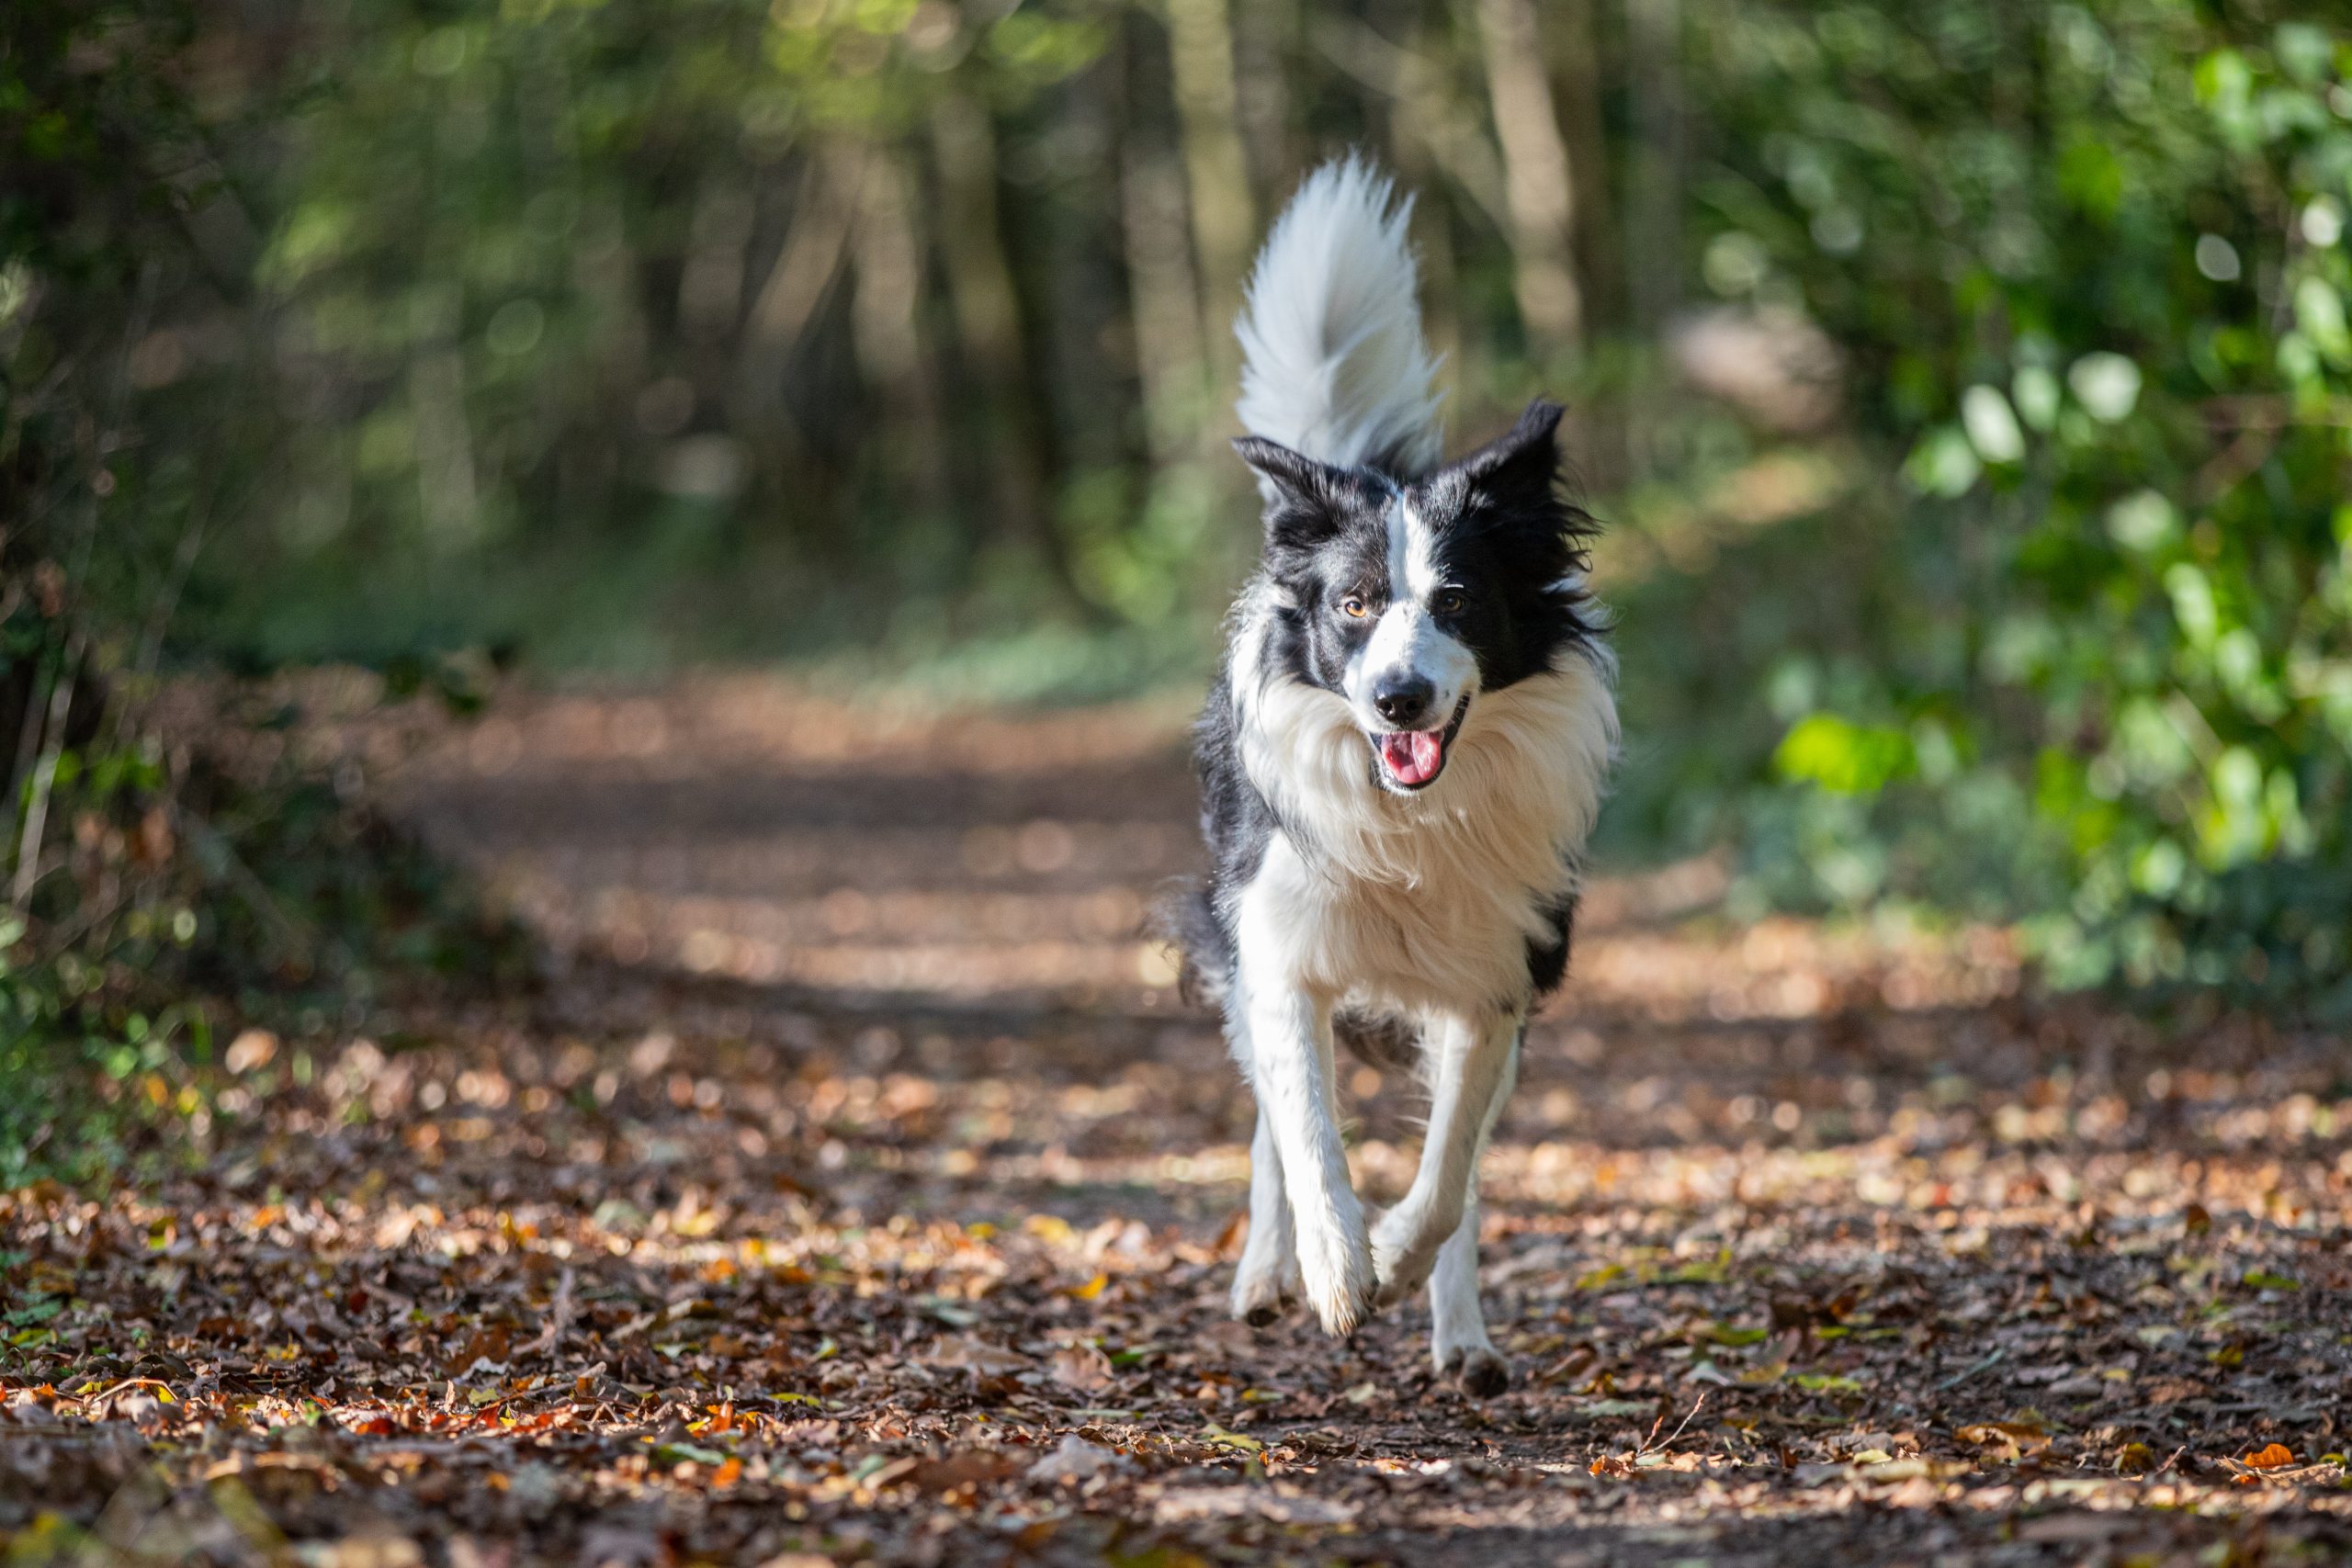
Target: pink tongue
1413 756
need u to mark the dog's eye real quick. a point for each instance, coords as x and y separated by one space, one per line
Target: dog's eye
1451 602
1353 605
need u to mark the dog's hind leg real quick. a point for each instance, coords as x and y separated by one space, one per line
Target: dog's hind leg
1458 1341
1268 1277
1476 1062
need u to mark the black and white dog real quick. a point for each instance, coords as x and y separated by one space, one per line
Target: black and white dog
1399 765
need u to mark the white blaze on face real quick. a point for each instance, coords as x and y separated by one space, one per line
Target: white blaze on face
1407 641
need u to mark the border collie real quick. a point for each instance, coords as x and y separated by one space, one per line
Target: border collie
1399 763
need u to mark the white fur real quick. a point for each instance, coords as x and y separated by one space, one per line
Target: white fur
1457 1326
1412 554
1469 1055
1281 1031
1334 364
1407 640
1417 904
1269 1267
1475 854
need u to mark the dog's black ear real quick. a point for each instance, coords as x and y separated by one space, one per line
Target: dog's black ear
1285 472
1303 496
1523 463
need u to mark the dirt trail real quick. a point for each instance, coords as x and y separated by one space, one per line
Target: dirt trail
857 1155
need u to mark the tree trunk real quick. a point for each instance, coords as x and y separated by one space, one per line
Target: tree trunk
448 495
1537 186
795 285
1224 223
988 324
788 301
886 320
1429 112
1654 228
1577 67
1264 35
1165 299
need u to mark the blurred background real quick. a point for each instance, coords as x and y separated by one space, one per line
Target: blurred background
1966 390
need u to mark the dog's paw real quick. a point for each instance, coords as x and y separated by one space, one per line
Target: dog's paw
1484 1374
1477 1370
1266 1281
1403 1253
1343 1307
1260 1296
1338 1283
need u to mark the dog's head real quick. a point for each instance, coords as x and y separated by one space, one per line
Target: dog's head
1411 599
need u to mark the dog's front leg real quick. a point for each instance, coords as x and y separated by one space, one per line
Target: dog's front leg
1268 1274
1291 1065
1475 1056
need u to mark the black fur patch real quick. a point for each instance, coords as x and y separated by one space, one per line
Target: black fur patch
1547 962
1501 531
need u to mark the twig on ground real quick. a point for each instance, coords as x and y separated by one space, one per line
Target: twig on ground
1670 1437
34 821
559 1318
1965 1373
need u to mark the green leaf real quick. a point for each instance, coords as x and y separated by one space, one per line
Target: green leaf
1727 1334
680 1453
1826 1383
1843 757
1240 1442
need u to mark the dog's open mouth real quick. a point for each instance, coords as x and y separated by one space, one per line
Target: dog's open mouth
1412 759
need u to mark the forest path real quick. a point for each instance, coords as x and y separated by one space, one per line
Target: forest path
856 1154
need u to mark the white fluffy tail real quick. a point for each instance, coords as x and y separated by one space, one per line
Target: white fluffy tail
1333 365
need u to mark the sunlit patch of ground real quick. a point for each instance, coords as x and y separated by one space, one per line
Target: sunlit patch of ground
857 1189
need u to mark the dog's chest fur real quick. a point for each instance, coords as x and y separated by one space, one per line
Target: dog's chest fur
1426 902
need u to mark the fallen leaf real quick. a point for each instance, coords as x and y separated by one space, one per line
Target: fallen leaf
1081 1367
1241 1502
1240 1441
2013 1439
1076 1460
968 1353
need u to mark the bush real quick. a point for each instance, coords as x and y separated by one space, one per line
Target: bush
2093 661
150 892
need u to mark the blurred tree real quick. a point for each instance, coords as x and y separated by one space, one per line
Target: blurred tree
1964 386
144 879
1224 217
1539 187
2086 264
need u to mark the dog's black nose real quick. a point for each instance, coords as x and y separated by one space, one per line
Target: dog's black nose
1403 699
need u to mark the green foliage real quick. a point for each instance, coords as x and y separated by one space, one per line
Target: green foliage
2085 266
888 330
578 360
149 891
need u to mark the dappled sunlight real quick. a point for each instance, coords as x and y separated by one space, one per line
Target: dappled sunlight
602 608
856 1152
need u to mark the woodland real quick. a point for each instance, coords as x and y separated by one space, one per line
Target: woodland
599 602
